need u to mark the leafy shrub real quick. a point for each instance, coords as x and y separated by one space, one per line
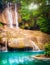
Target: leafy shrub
44 24
1 24
47 50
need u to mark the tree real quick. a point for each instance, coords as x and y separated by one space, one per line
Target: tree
34 13
44 19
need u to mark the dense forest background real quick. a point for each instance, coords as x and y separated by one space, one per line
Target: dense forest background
35 14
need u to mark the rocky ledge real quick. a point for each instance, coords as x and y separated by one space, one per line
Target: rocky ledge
41 57
20 38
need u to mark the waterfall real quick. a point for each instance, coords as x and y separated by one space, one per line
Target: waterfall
35 46
9 16
16 16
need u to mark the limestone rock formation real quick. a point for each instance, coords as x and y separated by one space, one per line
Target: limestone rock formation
19 38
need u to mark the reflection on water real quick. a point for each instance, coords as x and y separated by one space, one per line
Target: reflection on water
21 58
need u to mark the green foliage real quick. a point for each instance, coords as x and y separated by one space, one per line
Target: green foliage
40 15
47 50
44 24
25 14
1 24
28 15
0 37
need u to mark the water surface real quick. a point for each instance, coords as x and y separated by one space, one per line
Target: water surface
21 58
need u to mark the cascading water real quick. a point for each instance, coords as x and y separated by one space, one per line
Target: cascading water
36 47
16 16
9 15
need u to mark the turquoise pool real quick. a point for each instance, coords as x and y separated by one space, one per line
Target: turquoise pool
21 58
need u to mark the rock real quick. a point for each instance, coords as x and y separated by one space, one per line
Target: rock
41 57
3 49
19 38
19 43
